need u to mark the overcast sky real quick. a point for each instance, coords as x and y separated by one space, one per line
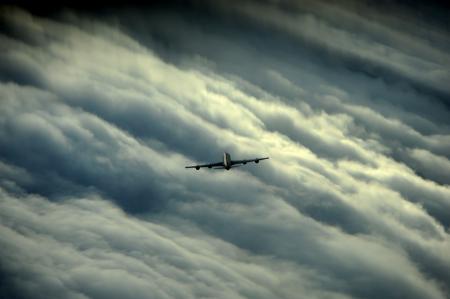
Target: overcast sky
102 107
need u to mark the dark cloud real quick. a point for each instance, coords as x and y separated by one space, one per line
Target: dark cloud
389 96
101 110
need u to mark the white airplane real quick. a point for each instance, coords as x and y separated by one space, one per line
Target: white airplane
227 163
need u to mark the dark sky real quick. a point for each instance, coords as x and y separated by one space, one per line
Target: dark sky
101 107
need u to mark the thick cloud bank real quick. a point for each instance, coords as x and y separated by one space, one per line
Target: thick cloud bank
100 112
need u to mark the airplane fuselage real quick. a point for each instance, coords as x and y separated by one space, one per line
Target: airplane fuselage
227 161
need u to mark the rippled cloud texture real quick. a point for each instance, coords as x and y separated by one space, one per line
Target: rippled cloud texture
100 112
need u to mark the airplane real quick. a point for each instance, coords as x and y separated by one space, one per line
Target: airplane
227 163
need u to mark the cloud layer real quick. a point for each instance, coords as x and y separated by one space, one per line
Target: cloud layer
100 113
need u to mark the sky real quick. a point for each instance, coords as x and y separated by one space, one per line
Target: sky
102 107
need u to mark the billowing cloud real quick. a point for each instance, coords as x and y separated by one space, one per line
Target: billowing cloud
97 251
100 113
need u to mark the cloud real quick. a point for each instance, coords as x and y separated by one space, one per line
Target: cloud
375 56
98 120
97 251
429 165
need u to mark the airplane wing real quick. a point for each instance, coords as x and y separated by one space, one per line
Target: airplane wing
256 160
206 165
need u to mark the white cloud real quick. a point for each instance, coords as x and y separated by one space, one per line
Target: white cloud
97 251
333 214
